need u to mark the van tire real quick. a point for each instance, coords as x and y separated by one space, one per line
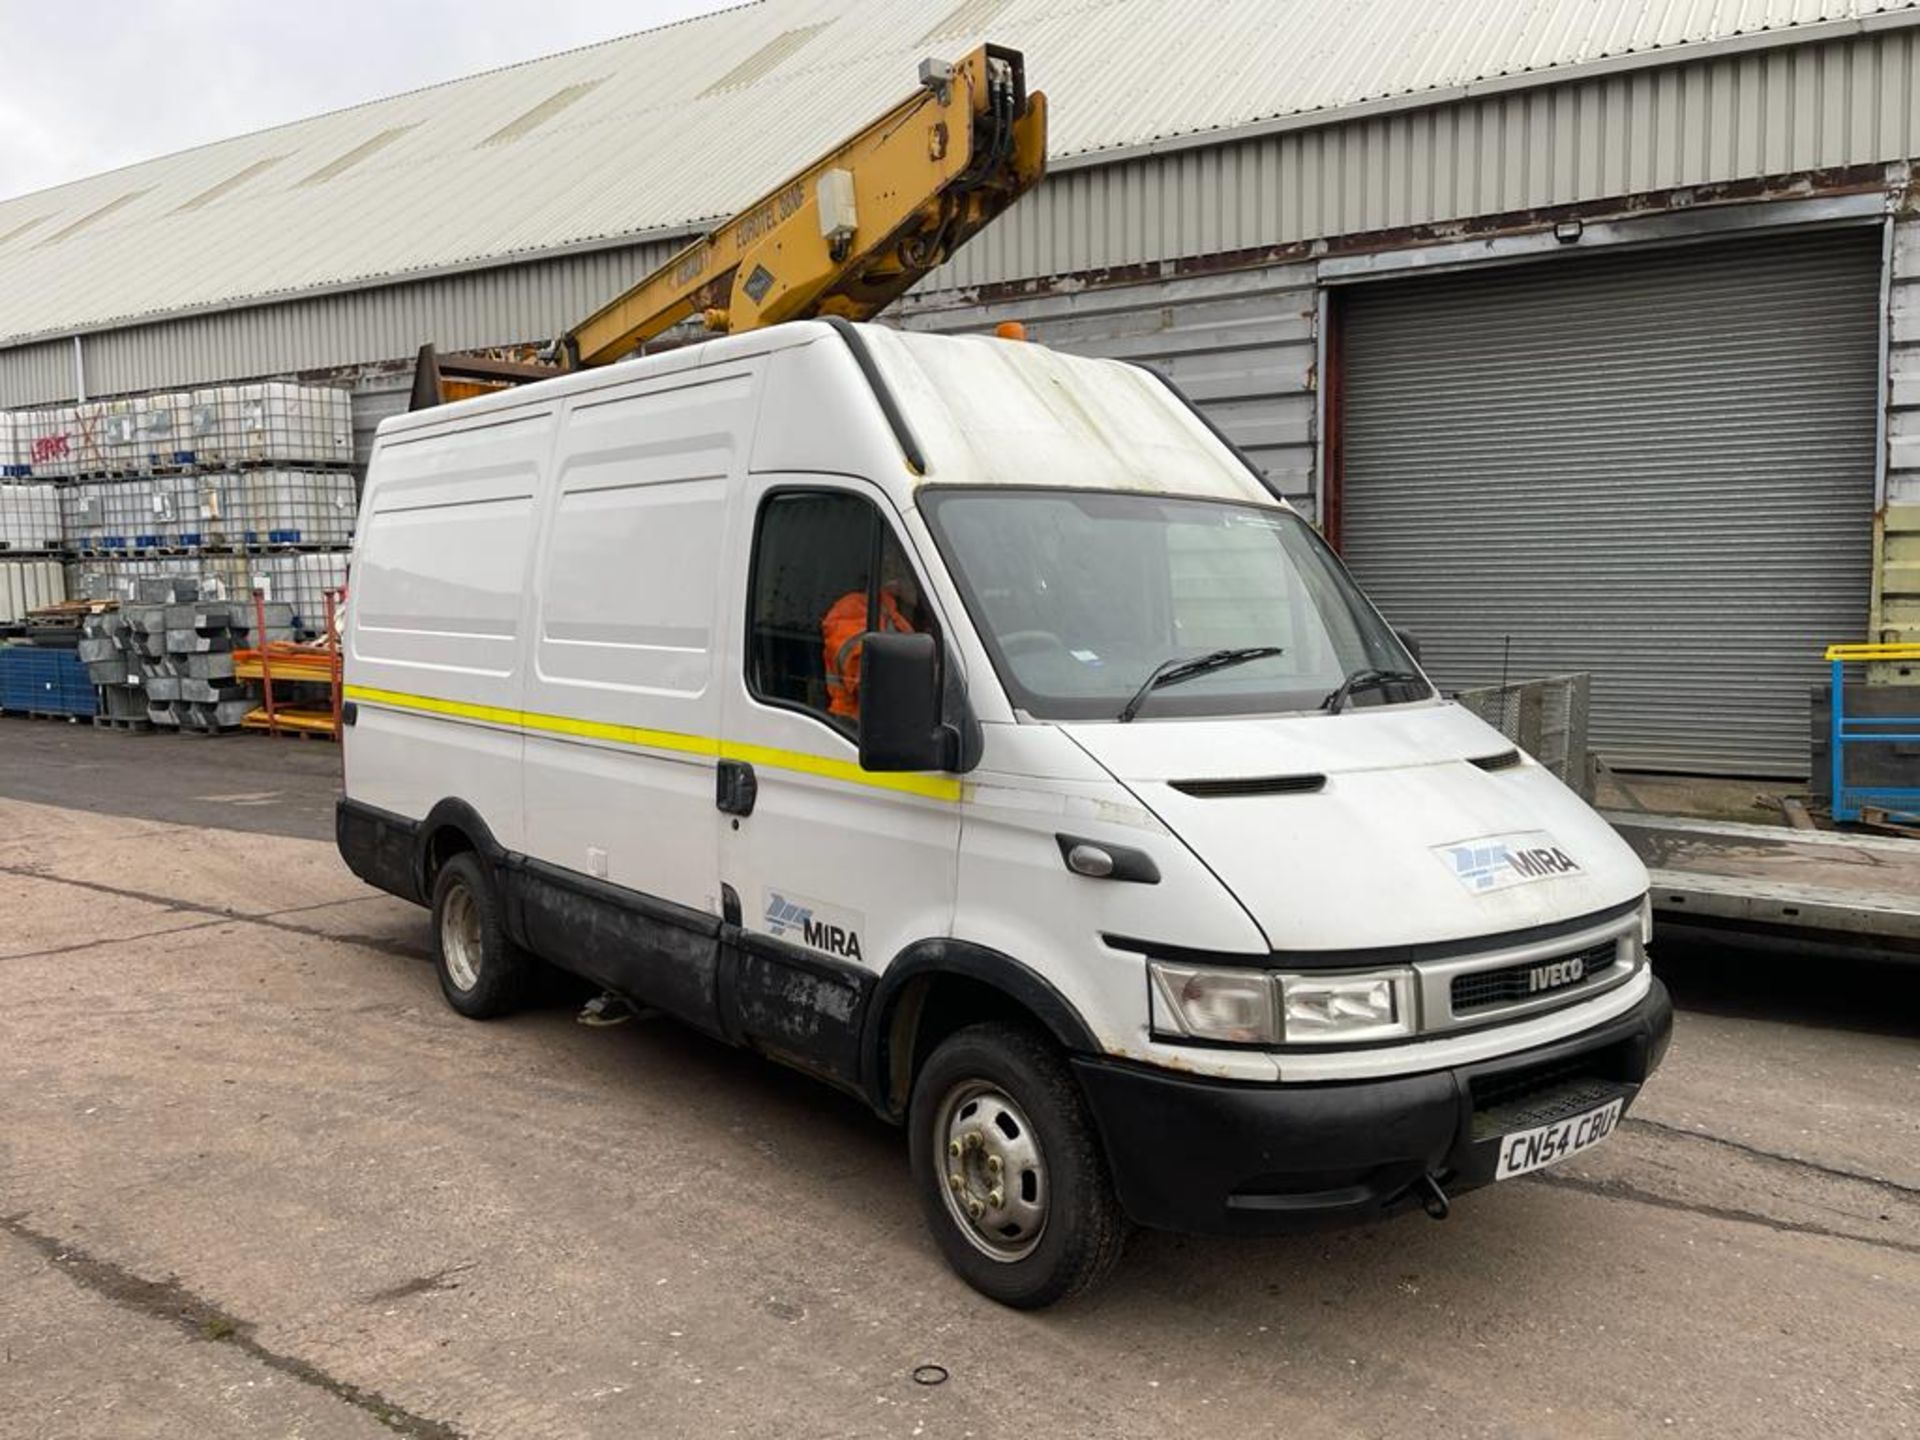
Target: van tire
998 1072
482 973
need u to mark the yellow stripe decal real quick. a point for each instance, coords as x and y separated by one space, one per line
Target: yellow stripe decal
933 787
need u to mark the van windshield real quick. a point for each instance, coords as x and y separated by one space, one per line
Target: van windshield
1081 595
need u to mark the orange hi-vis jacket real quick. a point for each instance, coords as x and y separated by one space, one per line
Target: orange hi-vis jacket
842 627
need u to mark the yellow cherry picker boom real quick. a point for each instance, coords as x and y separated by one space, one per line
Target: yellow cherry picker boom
846 236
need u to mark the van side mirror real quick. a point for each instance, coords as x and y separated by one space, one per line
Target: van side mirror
1411 641
900 722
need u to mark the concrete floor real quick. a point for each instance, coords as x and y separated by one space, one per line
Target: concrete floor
256 1179
253 783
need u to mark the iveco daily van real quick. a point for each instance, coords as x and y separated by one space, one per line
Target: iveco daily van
968 725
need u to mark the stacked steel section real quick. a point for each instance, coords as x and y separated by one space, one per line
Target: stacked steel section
166 657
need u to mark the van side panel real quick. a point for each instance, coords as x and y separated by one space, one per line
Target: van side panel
623 733
437 615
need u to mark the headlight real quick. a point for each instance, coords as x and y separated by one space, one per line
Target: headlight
1231 1005
1337 1009
1646 922
1258 1007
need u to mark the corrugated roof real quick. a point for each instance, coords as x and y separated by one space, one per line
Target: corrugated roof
673 127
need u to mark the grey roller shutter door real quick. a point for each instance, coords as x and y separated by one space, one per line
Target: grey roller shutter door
1656 466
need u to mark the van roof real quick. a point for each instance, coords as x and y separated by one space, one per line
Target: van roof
989 411
981 410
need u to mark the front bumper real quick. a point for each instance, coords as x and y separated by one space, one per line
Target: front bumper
1214 1157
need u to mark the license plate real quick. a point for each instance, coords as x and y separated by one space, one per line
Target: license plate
1545 1145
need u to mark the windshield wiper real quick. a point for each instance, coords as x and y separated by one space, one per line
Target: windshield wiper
1172 672
1366 678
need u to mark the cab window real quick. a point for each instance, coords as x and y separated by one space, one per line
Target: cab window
827 570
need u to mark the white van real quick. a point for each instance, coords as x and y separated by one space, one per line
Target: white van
968 725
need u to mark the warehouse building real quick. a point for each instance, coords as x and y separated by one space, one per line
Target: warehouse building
1585 328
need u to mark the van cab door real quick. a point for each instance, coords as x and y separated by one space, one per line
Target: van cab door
828 871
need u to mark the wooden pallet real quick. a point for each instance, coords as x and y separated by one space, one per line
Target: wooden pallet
70 612
1882 822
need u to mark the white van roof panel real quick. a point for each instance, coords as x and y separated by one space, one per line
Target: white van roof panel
1000 412
984 411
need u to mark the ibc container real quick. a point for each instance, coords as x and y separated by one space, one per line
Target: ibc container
80 514
271 421
103 438
49 441
204 431
13 460
214 577
160 429
168 511
110 515
139 512
176 509
293 507
29 516
302 581
29 584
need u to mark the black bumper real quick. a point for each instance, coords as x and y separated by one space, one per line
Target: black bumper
1213 1157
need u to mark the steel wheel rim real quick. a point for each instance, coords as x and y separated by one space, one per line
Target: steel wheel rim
460 937
991 1172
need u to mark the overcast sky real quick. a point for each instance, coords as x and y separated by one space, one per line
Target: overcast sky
87 85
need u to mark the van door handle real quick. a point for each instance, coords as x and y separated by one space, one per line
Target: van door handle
735 787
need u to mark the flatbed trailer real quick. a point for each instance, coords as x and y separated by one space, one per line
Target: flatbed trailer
1810 887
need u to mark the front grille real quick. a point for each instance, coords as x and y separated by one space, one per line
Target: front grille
1569 1097
1515 1087
1483 989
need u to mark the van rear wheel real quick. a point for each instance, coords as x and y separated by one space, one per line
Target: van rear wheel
1011 1177
482 973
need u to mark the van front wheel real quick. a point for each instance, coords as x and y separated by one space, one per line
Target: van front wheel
482 973
1010 1172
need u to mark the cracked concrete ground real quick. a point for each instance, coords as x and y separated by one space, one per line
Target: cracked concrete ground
256 1180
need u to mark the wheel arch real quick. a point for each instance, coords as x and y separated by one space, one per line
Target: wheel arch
935 987
451 826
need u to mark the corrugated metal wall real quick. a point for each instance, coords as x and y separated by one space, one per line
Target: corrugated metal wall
515 305
32 373
1241 343
1772 113
1736 117
1656 466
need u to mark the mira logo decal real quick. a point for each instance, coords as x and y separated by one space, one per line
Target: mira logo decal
1501 861
808 922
